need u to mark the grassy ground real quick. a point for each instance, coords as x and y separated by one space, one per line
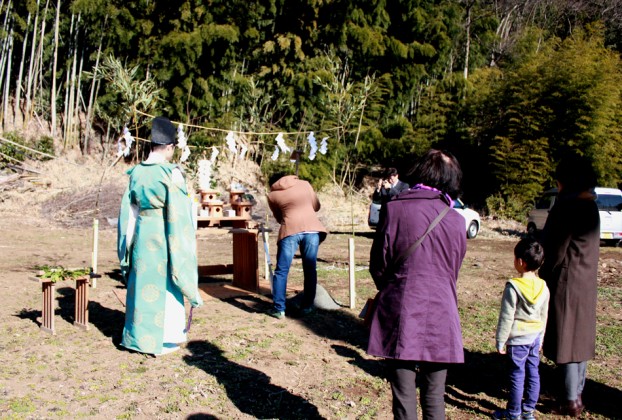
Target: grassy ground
239 363
243 364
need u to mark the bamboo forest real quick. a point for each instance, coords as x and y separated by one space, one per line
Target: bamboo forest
508 86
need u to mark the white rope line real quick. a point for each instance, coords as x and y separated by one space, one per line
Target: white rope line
253 133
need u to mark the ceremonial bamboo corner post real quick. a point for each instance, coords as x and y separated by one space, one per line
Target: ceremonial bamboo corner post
94 255
94 275
352 271
266 256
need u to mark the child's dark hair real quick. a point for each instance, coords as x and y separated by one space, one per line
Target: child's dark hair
530 251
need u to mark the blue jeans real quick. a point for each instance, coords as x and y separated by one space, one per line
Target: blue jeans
308 244
524 375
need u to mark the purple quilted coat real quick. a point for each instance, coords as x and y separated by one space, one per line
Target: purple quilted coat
417 312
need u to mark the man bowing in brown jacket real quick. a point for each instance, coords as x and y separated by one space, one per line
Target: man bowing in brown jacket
294 205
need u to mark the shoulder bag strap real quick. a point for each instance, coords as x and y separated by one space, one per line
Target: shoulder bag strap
414 246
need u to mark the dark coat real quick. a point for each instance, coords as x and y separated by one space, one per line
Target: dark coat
385 194
417 313
571 240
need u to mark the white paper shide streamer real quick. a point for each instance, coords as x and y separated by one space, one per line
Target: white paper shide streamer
275 154
231 142
313 145
243 150
215 154
280 141
128 140
182 143
324 146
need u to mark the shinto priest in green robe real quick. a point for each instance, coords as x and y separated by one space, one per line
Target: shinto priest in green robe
157 250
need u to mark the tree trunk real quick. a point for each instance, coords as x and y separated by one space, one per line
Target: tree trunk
4 50
20 74
7 84
89 109
70 85
31 76
53 91
467 45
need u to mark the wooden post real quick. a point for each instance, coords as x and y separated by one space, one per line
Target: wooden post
95 244
266 256
245 259
81 313
47 313
352 272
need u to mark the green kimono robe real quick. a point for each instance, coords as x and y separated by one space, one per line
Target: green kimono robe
157 249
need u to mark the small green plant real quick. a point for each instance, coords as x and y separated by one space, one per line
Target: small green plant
60 273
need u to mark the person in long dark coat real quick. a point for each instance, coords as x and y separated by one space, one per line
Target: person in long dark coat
571 239
416 325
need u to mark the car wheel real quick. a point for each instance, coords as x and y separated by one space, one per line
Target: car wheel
472 230
532 229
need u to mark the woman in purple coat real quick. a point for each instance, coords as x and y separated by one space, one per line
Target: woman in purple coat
416 324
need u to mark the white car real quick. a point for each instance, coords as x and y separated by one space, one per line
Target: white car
471 217
608 200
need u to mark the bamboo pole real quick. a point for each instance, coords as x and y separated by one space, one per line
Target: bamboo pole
89 108
352 269
29 78
54 69
20 74
95 251
7 86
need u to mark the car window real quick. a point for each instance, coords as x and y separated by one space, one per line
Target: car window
608 202
545 202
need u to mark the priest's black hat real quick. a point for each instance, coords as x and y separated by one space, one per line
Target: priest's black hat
163 131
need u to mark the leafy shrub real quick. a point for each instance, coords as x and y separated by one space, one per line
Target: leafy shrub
12 151
46 145
510 207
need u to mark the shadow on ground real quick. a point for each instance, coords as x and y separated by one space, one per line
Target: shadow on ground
250 390
108 321
337 325
334 325
485 373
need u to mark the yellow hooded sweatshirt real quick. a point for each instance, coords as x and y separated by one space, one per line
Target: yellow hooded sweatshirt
524 310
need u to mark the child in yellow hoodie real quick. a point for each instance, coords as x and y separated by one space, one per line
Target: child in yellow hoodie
520 330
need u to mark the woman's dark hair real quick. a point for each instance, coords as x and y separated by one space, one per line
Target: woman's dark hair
275 177
438 169
531 252
575 173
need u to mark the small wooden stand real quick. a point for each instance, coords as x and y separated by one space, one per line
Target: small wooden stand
242 209
208 195
214 208
245 267
234 196
81 313
47 313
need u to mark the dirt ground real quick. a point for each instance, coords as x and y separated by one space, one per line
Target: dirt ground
239 363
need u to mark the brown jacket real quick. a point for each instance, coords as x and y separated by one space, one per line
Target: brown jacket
294 203
571 247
